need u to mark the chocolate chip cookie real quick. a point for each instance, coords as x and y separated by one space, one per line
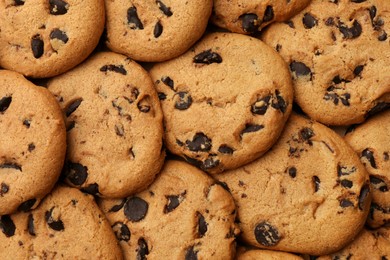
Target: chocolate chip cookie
337 54
149 30
309 194
249 17
174 218
44 38
32 143
114 125
371 141
66 225
225 101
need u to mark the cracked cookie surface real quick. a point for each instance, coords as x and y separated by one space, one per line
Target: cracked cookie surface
43 38
32 143
175 219
309 194
114 125
337 52
225 101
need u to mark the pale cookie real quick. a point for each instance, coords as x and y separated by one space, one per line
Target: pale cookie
225 101
44 38
338 54
184 214
32 143
371 141
309 194
114 125
67 225
155 30
250 16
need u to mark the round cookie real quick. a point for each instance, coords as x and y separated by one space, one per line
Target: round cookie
337 54
250 17
149 30
114 125
67 224
368 244
225 101
44 38
32 143
371 141
255 254
175 219
309 194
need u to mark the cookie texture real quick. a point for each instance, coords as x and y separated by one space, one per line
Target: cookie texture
309 194
250 17
225 101
66 225
368 244
32 143
371 141
175 219
255 254
44 38
114 125
149 30
337 54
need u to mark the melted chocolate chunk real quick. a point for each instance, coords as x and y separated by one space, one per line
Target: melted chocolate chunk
309 21
76 173
37 46
158 29
92 189
142 250
19 2
210 163
279 103
27 205
377 108
202 225
7 226
73 106
250 22
162 96
133 19
168 81
173 202
292 172
116 208
365 190
30 225
225 149
344 170
250 128
115 68
351 33
261 105
358 69
207 57
200 143
59 35
383 36
121 231
4 188
372 12
369 155
344 203
378 183
8 165
58 7
56 225
268 14
358 1
184 101
191 254
5 102
316 182
166 10
346 183
266 234
135 209
31 147
299 68
306 133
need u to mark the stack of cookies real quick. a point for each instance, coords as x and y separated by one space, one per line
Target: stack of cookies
209 129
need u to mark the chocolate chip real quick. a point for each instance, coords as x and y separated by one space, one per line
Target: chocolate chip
30 225
358 1
372 12
210 163
92 189
26 123
250 22
115 68
207 57
37 46
266 234
306 133
346 183
316 182
191 254
162 96
292 172
76 173
4 188
279 103
133 19
5 102
142 250
121 231
250 128
309 21
344 203
261 105
378 183
116 208
7 226
173 203
369 155
365 190
377 108
72 106
135 209
59 35
343 170
131 153
358 69
143 104
386 156
119 130
225 149
168 81
351 33
290 24
56 225
58 7
31 147
19 2
299 68
383 36
183 100
158 29
8 165
166 10
329 21
268 14
27 205
200 142
202 225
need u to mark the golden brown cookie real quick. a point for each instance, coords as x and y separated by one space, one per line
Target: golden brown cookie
257 254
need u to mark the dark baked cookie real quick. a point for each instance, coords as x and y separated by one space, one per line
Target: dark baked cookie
32 143
43 38
66 225
371 141
225 101
155 30
114 125
337 54
184 214
309 194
